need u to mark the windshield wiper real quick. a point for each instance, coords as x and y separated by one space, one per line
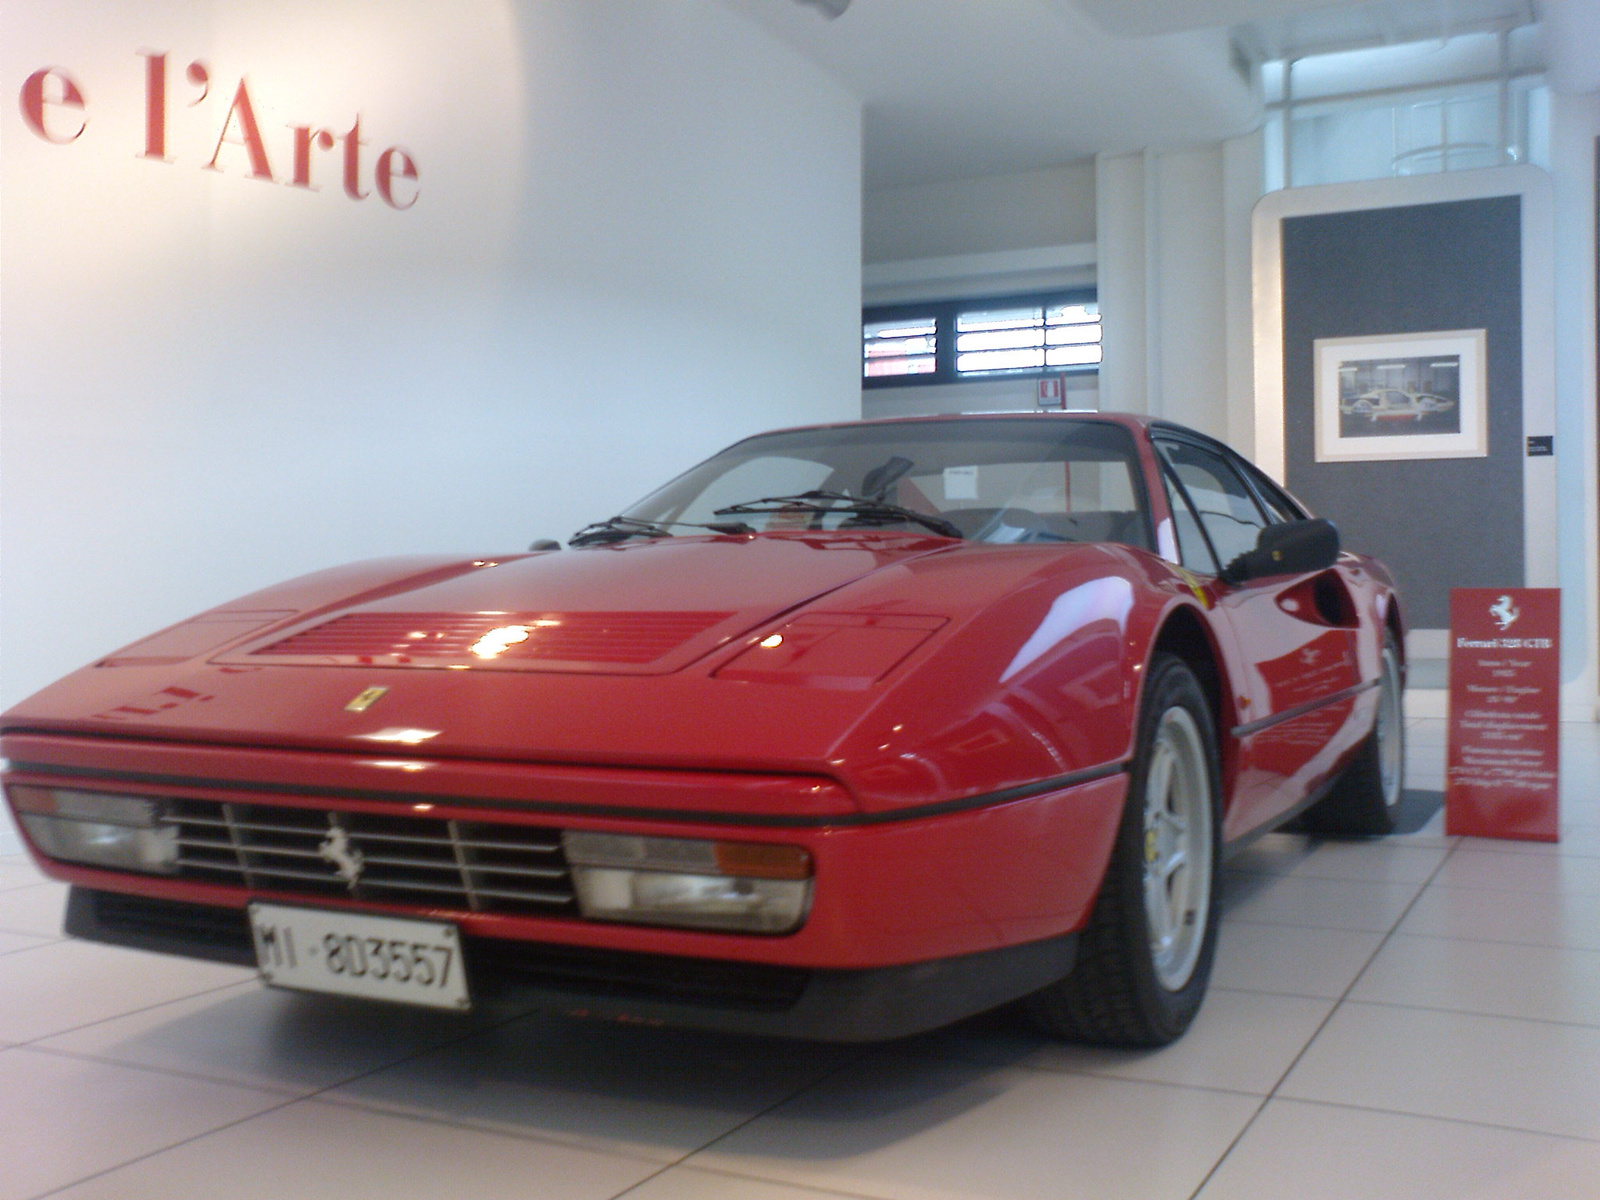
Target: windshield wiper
621 528
841 502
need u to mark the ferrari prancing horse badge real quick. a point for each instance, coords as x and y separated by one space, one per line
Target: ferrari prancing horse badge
366 699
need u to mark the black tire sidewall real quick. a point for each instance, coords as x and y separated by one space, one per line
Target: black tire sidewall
1170 683
1390 647
1355 805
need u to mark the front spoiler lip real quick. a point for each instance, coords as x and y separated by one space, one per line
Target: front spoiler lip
860 1005
871 1005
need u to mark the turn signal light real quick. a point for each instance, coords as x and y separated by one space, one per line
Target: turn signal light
96 828
759 860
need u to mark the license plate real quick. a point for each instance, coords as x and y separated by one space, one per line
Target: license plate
353 954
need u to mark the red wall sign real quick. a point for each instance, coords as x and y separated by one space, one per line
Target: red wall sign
1505 711
54 107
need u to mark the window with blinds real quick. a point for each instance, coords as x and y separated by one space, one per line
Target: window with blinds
955 340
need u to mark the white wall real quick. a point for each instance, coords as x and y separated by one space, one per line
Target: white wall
979 396
1025 210
635 237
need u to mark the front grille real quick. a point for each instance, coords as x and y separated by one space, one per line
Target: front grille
634 638
431 861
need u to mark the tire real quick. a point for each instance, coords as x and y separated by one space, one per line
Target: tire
1145 956
1365 801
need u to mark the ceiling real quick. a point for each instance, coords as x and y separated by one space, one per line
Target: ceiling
1310 19
956 89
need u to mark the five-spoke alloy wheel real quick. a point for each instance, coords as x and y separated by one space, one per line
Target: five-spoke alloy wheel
1178 865
1144 957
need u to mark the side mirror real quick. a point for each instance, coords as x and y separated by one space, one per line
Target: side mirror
545 544
1292 548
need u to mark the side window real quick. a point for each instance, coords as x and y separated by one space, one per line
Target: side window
1227 511
1193 552
1279 506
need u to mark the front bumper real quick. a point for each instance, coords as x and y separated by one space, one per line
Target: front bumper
868 1005
917 918
890 888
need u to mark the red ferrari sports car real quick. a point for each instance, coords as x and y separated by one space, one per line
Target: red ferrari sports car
846 733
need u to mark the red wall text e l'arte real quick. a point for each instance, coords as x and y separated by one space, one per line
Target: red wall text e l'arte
1505 708
54 106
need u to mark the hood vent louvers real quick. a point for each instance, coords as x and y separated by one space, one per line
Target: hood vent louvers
634 638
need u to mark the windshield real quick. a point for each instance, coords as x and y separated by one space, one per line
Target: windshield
999 480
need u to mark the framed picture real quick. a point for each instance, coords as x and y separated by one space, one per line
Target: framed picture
1404 395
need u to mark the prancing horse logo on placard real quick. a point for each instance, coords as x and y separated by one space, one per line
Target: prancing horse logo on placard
346 859
1504 612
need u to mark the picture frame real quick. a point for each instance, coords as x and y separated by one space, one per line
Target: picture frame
1402 396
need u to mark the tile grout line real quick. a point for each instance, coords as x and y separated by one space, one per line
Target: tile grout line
682 1159
1323 1024
725 1173
285 1103
42 940
56 937
1467 1012
1092 1073
138 1158
132 1012
153 1069
1471 1124
1490 941
1231 920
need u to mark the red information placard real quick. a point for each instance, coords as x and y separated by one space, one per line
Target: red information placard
1505 711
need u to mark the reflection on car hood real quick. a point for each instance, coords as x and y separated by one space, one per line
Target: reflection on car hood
636 608
665 695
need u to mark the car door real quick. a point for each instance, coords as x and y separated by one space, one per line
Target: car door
1295 635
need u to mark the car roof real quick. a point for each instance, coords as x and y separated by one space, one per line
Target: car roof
1133 421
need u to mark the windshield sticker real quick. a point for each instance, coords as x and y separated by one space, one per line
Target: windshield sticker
961 483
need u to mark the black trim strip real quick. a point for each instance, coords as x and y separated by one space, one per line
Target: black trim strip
1300 710
689 816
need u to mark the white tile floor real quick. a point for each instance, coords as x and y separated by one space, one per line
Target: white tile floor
1417 1018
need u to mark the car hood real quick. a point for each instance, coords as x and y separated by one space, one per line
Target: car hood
971 660
636 608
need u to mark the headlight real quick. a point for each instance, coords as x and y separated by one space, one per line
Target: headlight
101 830
744 887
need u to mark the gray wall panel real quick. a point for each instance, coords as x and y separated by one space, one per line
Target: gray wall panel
1437 523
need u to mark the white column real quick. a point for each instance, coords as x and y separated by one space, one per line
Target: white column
1574 126
1120 255
1189 318
1243 180
1174 263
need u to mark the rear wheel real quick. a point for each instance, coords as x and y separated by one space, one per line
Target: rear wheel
1365 802
1145 957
